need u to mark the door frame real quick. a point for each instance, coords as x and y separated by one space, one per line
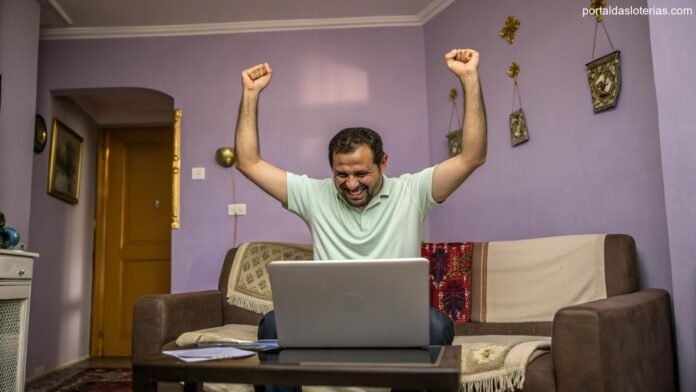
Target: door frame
98 285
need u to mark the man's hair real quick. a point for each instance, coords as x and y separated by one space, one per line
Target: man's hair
348 140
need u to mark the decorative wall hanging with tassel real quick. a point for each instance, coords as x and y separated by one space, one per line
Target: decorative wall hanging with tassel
454 138
518 122
603 73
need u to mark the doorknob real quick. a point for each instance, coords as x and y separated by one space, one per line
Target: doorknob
157 203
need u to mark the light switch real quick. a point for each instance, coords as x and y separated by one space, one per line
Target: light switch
236 209
198 173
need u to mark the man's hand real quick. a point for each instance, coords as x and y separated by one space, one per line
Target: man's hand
256 78
463 62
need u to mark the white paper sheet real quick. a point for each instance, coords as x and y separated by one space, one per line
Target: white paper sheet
208 353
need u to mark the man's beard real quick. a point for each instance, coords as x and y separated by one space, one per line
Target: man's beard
362 202
345 193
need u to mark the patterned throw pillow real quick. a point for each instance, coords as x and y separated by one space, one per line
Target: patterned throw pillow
450 277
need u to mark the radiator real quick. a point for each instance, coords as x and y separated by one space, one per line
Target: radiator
15 291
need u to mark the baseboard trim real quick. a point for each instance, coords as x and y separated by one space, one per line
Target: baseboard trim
57 369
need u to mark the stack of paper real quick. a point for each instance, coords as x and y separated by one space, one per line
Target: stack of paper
208 353
257 345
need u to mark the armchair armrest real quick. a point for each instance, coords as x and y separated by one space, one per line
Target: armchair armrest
622 343
159 319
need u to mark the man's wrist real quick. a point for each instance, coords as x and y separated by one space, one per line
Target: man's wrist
469 78
469 81
250 94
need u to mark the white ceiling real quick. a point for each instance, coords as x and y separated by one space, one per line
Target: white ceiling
61 19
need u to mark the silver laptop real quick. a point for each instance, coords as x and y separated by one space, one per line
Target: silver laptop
351 303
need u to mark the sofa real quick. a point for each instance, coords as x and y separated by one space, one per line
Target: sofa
620 341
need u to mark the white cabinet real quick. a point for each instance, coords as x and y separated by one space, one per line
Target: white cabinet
16 270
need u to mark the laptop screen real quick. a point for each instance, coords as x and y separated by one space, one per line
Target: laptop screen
351 303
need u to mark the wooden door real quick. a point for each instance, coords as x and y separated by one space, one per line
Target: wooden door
136 198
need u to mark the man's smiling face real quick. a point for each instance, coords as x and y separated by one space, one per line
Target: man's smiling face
356 177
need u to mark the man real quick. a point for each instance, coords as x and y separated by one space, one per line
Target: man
361 213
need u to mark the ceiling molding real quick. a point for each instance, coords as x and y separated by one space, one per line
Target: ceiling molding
435 7
61 12
227 28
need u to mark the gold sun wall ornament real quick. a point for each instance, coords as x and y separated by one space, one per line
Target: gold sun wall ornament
518 122
597 6
514 71
510 28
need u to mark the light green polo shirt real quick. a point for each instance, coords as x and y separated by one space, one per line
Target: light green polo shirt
389 226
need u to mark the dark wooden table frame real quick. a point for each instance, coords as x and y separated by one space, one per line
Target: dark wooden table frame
441 376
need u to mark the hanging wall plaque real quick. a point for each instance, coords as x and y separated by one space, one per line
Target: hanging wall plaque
518 122
518 127
604 77
604 73
454 138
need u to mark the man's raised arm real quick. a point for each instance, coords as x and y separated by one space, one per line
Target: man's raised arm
451 173
271 179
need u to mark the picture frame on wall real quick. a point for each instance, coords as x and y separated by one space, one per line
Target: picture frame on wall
64 163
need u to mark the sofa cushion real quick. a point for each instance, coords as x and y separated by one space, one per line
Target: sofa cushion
225 333
450 277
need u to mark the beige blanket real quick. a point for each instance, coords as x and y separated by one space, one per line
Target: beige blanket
248 286
529 280
498 363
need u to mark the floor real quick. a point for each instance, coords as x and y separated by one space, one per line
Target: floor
63 374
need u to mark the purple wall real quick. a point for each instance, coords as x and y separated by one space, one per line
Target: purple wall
580 172
19 41
674 56
323 81
63 234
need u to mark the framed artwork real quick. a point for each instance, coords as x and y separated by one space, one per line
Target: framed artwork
64 163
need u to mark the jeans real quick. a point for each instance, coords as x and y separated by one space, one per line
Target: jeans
441 334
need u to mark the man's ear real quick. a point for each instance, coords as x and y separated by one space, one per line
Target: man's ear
383 163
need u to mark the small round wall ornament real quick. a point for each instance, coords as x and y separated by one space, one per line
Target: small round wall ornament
40 134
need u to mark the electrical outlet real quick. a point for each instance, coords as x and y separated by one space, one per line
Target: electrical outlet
236 209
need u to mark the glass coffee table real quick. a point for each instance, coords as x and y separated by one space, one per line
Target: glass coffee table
436 368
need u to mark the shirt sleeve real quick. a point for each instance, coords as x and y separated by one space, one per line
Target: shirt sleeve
299 194
420 189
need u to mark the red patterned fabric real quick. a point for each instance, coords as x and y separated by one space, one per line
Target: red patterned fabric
450 277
